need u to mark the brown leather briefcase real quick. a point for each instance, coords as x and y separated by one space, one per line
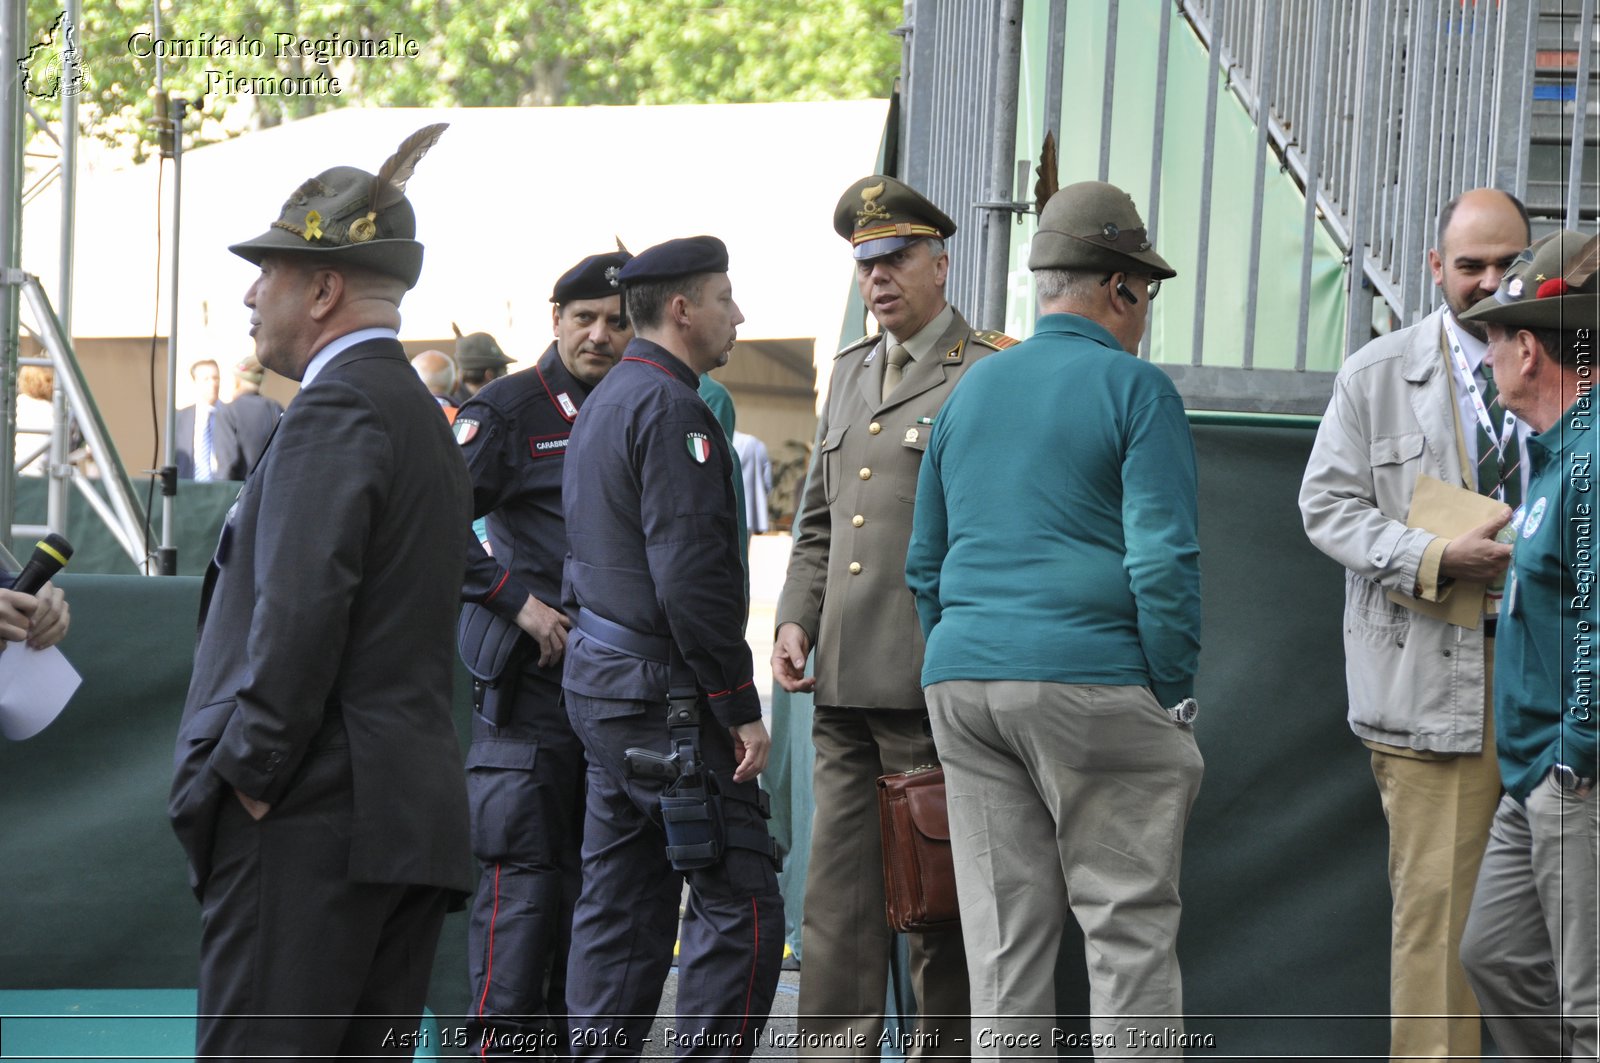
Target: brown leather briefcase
919 875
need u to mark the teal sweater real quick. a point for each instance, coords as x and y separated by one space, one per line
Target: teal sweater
1055 532
1548 646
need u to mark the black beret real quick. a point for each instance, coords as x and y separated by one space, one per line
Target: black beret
676 258
593 278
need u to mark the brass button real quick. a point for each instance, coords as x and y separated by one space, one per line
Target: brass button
858 520
855 568
874 427
866 474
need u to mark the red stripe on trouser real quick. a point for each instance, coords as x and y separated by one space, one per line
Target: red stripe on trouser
755 962
488 969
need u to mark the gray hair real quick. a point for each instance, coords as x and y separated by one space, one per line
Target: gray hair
1054 284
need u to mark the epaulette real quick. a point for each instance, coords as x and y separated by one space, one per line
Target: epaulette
864 341
996 340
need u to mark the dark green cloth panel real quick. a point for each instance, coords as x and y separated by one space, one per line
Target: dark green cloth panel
1286 903
197 517
95 889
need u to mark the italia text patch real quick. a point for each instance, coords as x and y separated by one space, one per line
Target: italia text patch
699 446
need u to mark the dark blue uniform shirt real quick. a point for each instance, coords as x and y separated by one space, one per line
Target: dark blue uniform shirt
513 434
653 536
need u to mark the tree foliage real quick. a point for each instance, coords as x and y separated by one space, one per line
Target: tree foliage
467 53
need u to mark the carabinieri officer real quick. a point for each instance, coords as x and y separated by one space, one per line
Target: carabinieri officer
657 591
525 769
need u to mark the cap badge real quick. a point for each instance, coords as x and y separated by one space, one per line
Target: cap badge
313 229
1110 232
871 210
1514 289
611 275
363 229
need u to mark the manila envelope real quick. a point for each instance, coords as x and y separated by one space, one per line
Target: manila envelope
1450 511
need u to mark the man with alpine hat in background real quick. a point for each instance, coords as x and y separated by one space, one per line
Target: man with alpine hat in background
480 359
318 790
525 770
845 595
1531 939
656 589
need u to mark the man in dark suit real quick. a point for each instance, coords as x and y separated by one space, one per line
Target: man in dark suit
193 430
244 424
318 791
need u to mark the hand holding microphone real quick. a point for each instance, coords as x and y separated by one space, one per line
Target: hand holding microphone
31 610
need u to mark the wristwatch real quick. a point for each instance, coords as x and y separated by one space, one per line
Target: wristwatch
1570 781
1184 711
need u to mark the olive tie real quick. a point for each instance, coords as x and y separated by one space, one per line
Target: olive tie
893 369
1499 473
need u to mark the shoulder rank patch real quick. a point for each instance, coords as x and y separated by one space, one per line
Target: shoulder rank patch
994 340
568 408
699 447
466 430
997 340
864 341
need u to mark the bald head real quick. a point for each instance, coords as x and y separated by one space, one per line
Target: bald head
1480 234
437 370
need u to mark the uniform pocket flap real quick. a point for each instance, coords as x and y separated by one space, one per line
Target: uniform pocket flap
502 753
834 437
928 811
1394 450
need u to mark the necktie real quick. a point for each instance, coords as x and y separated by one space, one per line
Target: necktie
1499 472
203 452
893 369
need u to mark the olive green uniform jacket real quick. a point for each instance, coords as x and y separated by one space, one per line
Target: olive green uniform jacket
846 585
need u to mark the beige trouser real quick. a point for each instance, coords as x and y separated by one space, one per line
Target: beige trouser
1439 810
1067 796
845 940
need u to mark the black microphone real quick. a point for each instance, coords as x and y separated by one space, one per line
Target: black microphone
50 555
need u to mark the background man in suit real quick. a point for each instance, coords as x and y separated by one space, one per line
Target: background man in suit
846 594
318 791
245 422
1420 688
192 429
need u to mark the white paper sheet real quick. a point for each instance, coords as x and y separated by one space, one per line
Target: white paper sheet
35 686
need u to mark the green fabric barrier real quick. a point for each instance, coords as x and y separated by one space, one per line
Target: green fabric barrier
95 885
1285 898
1286 904
197 517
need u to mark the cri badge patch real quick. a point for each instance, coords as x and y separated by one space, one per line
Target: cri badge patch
1534 519
699 446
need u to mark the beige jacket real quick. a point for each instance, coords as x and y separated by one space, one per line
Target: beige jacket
846 585
1413 681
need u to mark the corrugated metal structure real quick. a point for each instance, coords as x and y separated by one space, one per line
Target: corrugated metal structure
1385 109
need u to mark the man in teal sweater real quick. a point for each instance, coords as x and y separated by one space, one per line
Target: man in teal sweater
1530 941
1055 562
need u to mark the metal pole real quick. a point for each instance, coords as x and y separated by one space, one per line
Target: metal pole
1108 94
1358 303
1203 240
1153 207
168 560
1313 136
13 43
57 491
1269 56
1580 114
997 221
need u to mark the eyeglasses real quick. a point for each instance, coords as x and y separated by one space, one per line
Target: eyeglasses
1151 289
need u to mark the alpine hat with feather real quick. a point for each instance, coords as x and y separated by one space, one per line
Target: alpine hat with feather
1552 285
353 217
